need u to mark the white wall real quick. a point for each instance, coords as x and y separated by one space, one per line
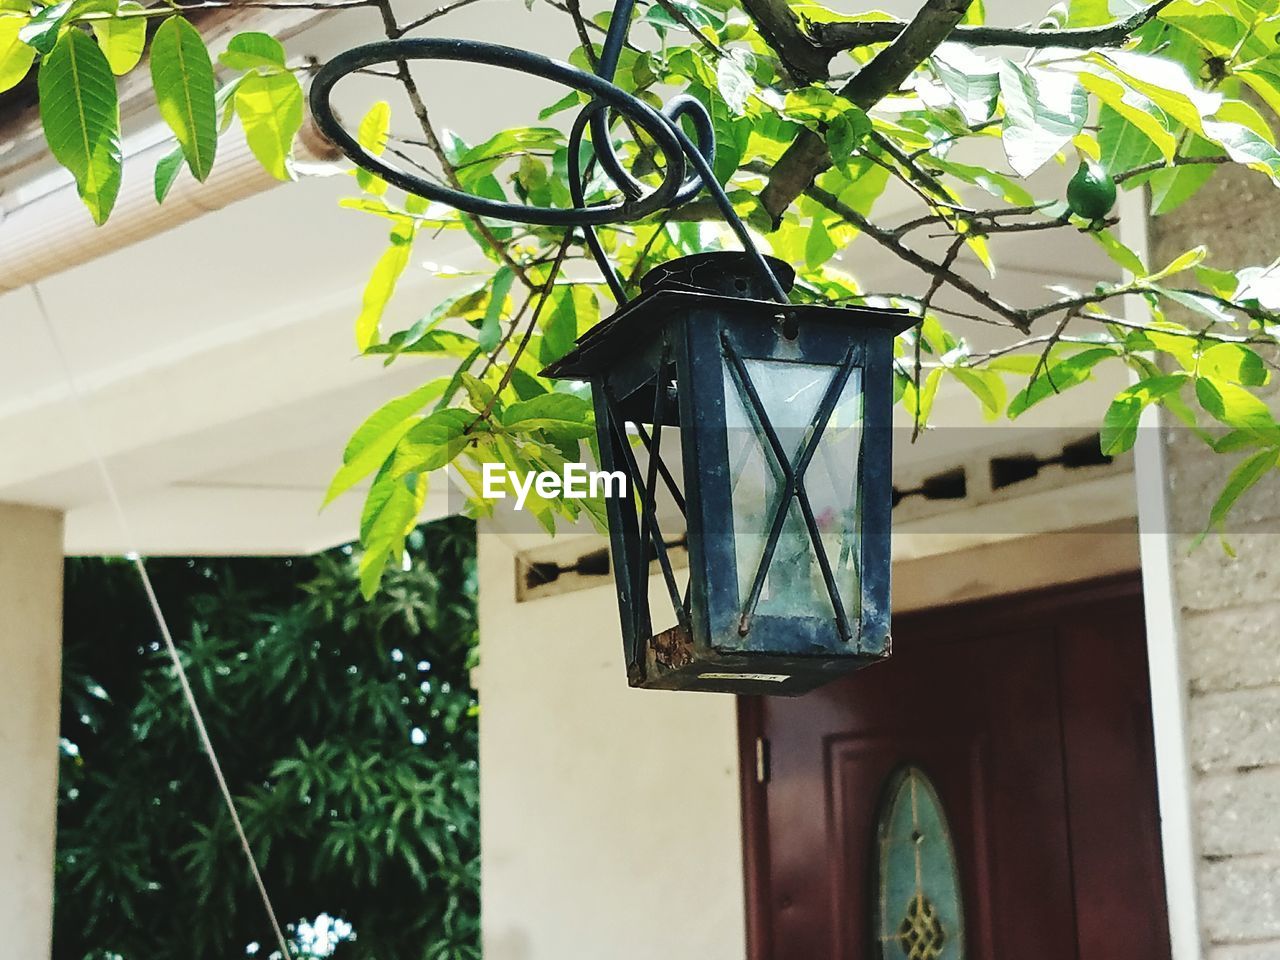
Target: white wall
609 817
30 678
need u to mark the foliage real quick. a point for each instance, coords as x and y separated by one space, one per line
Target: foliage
815 113
347 732
81 46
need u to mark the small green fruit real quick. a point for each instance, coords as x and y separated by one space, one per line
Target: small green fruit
1091 193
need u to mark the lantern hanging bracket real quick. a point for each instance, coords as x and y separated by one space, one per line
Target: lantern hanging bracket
688 163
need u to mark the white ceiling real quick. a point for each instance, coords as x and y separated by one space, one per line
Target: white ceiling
216 365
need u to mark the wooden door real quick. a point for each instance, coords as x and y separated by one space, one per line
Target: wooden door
1028 718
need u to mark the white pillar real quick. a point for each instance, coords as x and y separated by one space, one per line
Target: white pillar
30 683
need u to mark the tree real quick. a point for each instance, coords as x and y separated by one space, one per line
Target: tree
815 112
347 732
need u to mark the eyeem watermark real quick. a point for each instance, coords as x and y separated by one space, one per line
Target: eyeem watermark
575 483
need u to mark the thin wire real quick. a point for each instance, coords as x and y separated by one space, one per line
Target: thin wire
140 565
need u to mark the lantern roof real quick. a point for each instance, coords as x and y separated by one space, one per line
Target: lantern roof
721 280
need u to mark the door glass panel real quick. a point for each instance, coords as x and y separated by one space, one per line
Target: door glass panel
918 913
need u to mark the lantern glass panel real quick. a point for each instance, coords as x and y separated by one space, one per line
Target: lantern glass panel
794 397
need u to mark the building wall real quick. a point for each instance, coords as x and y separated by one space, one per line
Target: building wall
609 817
1229 611
30 683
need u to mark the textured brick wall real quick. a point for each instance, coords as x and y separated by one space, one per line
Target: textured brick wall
1230 620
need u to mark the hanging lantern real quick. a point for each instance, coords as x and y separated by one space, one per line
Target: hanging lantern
780 411
767 426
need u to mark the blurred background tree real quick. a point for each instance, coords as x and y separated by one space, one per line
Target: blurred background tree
347 730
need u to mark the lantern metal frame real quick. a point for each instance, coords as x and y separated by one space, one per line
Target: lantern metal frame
659 363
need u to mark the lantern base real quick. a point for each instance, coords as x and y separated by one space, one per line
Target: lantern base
670 661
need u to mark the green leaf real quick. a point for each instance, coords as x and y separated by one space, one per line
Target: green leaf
394 516
972 80
1088 13
378 291
734 84
1245 146
373 137
573 98
1246 474
376 438
1192 258
46 27
841 122
572 309
1057 377
1020 364
919 404
41 31
1120 424
1171 187
1234 363
1044 109
122 39
252 50
987 385
81 119
844 133
167 169
434 441
1198 302
1214 25
1233 441
483 399
1238 111
1235 406
1131 129
491 328
1264 80
1163 81
1118 252
1260 285
455 382
270 110
16 57
182 75
560 412
997 184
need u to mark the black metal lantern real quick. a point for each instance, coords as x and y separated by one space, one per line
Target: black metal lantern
782 410
783 419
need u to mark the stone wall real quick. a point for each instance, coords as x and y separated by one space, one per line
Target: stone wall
1230 618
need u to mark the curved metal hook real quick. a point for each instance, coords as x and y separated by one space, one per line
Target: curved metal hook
679 151
509 58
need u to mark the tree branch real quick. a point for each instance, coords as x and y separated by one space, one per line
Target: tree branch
890 242
543 296
804 61
808 155
166 10
1178 161
394 31
834 37
435 15
681 18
